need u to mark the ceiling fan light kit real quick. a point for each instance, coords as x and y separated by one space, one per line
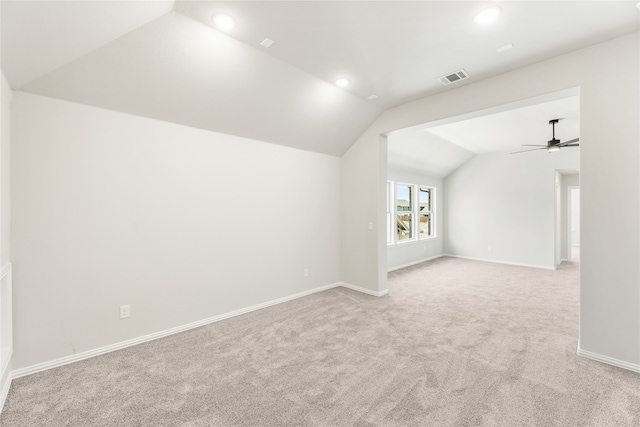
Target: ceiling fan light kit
553 145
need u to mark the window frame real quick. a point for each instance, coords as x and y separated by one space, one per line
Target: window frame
392 213
430 212
412 203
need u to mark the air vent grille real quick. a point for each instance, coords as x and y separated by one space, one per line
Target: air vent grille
453 77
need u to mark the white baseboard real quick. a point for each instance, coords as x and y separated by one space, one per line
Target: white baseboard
5 384
399 267
128 343
608 360
501 262
364 290
6 340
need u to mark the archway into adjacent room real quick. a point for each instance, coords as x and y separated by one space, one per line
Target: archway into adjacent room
476 163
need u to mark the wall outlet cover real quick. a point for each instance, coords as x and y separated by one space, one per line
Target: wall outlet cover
125 311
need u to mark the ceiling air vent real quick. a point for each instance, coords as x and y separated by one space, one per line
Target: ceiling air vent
453 77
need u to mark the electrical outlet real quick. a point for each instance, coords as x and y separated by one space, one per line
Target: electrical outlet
370 226
125 311
489 248
305 272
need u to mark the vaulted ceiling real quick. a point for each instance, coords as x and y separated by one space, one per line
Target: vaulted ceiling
437 149
165 60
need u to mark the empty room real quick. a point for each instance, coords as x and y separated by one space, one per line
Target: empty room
319 213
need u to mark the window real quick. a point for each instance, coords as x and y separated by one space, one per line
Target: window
404 211
410 212
425 200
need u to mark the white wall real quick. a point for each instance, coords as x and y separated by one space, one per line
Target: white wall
500 207
6 328
364 252
575 217
5 176
406 253
567 180
558 218
180 223
609 170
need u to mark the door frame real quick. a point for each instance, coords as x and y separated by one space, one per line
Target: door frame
569 215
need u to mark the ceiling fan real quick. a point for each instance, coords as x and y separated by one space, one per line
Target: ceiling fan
553 144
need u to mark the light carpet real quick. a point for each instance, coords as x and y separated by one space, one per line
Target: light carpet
455 343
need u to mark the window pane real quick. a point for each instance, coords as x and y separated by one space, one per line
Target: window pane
425 199
404 223
425 225
404 200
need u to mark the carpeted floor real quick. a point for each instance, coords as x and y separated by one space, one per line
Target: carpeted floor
455 343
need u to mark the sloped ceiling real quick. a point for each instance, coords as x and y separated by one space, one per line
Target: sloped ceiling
397 49
178 70
165 60
41 36
439 149
511 129
425 153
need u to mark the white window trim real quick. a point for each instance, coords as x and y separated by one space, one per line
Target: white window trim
432 196
392 207
391 198
413 213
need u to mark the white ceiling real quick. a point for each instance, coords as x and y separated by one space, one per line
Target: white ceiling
509 130
397 49
425 153
143 58
40 36
439 149
178 70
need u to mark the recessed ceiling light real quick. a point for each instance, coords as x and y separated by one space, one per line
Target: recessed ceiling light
224 22
267 42
487 16
372 97
342 82
504 48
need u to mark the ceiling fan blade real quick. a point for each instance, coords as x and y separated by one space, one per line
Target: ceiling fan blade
571 141
571 145
533 149
533 145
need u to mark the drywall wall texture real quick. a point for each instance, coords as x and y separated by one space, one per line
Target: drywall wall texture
362 258
568 180
6 328
5 181
182 224
412 252
500 207
609 180
574 218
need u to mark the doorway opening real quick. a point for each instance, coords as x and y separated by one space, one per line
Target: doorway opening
573 238
494 195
